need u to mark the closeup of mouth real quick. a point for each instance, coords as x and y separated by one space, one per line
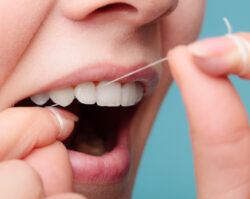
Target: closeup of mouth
99 147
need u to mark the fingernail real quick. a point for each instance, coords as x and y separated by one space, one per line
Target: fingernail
65 120
212 47
213 54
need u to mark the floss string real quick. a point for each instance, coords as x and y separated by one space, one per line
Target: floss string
58 117
243 46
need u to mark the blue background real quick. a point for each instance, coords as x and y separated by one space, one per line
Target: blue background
166 170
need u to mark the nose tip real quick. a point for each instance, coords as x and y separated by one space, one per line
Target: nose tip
138 12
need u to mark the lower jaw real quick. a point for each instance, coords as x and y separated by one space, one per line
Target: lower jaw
109 168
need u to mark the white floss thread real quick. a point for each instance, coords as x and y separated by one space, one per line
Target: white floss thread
242 44
228 25
59 118
138 70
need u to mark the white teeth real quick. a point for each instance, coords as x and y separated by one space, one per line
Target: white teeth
109 95
132 93
40 99
129 95
86 93
63 97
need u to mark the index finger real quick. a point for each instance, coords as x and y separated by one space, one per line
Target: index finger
218 127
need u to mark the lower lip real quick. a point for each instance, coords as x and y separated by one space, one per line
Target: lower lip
109 168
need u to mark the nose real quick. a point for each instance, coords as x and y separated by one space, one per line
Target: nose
138 12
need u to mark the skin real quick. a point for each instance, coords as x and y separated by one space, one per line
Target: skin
33 29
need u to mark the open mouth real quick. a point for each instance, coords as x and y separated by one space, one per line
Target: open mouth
99 145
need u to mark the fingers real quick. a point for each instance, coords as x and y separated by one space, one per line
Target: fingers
223 55
23 129
206 98
53 166
19 181
67 196
218 126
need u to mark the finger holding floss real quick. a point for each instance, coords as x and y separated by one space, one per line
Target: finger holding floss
223 55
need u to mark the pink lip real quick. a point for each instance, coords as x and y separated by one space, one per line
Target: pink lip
107 72
109 168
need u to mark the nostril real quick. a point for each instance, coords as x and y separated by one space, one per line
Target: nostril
115 7
78 10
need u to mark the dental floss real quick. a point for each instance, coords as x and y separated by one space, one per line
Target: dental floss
228 25
138 70
229 28
59 118
242 44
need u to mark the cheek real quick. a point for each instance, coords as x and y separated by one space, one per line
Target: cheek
184 24
181 27
19 22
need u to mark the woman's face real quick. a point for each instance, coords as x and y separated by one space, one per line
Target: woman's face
56 45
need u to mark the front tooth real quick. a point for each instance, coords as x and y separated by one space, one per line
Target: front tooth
86 93
109 95
129 94
40 99
62 97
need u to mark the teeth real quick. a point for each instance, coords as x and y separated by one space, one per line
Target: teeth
109 95
132 93
129 94
63 97
86 93
40 99
139 91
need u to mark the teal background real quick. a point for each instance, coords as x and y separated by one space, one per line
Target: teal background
166 170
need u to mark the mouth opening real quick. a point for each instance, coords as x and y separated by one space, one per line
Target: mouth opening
96 133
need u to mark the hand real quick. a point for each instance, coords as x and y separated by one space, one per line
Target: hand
218 121
34 135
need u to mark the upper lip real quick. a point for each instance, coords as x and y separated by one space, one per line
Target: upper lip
102 72
106 72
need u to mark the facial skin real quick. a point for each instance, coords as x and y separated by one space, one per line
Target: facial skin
48 40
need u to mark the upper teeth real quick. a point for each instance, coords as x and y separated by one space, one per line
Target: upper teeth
87 93
63 97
